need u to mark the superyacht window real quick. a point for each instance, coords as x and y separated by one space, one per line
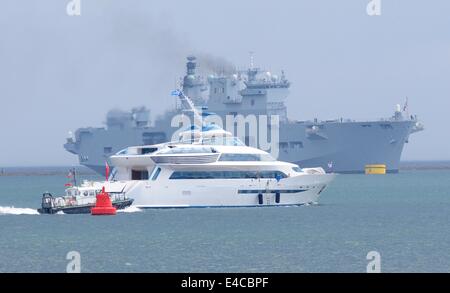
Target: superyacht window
187 150
297 169
156 174
246 157
112 176
230 141
227 175
139 174
145 151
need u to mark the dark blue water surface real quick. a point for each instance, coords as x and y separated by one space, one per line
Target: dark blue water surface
405 217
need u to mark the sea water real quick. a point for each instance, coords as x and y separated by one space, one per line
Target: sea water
404 217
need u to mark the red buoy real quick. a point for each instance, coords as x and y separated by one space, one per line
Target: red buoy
103 205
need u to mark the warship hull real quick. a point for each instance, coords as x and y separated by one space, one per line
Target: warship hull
340 147
348 147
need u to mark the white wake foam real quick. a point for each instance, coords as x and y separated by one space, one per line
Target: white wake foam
17 211
131 209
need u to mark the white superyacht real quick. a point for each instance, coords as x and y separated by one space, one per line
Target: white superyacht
208 167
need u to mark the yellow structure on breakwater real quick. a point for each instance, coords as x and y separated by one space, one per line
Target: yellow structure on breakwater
379 169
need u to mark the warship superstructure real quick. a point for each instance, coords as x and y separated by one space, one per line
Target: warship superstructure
341 145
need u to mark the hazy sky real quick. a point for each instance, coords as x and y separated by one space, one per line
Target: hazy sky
59 73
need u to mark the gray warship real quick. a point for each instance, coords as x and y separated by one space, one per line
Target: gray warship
340 145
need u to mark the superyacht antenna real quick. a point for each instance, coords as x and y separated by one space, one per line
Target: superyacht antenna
187 103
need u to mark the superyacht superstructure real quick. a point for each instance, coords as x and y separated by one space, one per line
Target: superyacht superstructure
208 167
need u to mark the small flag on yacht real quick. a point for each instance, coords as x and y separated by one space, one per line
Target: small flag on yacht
175 93
106 170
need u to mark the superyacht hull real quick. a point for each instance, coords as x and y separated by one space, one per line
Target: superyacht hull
297 190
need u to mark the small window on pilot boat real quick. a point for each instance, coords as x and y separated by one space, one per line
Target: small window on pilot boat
91 193
156 174
85 193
